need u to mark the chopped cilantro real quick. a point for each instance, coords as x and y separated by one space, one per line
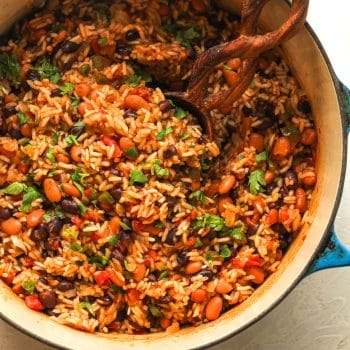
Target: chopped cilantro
71 140
14 189
132 152
117 289
48 70
261 157
47 216
29 197
69 235
257 181
159 224
124 226
137 176
204 165
198 243
184 137
163 274
171 27
75 246
78 179
140 75
154 310
22 119
82 207
29 286
188 37
9 67
215 222
75 101
225 251
237 233
113 240
86 305
100 261
199 195
179 113
102 41
55 137
209 257
67 88
160 136
50 155
105 197
156 169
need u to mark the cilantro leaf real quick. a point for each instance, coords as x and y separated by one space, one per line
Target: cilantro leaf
100 261
257 181
117 289
138 176
67 88
55 137
132 152
48 70
204 165
225 251
29 286
86 305
237 233
163 274
113 240
124 226
156 169
71 140
78 179
198 243
154 310
75 101
9 67
14 189
102 41
215 222
188 37
22 119
30 196
179 113
199 195
50 155
76 247
160 136
139 75
261 157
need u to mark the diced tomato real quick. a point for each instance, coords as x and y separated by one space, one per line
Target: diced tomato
102 279
253 260
108 141
194 214
153 254
95 236
23 168
138 226
92 215
191 241
27 261
133 296
89 193
114 277
10 276
107 50
283 215
33 302
77 221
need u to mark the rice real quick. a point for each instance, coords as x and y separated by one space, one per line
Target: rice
117 213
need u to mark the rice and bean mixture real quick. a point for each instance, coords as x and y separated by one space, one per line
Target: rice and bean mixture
117 214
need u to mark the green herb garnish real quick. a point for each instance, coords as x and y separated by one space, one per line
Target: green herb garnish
9 67
86 305
160 136
50 155
188 37
261 157
76 247
29 197
67 88
215 222
237 233
257 181
199 195
102 41
22 119
71 140
156 169
154 310
198 243
137 176
48 70
179 113
124 226
29 286
14 189
132 152
163 274
225 251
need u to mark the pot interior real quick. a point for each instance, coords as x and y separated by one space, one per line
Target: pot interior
310 67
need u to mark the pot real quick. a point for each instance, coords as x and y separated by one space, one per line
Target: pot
316 247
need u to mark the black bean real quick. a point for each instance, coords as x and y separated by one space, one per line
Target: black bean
127 222
234 252
56 93
265 124
291 180
43 281
264 109
116 193
193 54
247 111
207 273
5 213
171 237
106 300
122 313
170 152
122 48
283 191
304 106
67 66
33 75
70 206
39 233
124 236
77 130
202 140
116 172
182 258
130 114
69 47
53 244
274 205
65 285
164 106
152 278
15 134
54 226
132 35
171 201
118 255
7 112
48 298
252 230
270 187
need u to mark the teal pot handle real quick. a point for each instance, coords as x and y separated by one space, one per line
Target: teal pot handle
335 254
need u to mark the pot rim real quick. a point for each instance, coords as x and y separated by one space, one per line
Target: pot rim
322 243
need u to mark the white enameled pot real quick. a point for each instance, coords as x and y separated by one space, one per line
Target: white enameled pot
311 66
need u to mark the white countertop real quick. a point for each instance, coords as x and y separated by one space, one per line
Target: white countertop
316 314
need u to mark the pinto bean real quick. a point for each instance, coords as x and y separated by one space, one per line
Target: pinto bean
198 295
193 267
308 137
75 153
52 190
310 180
223 287
35 217
135 102
11 226
300 199
82 90
230 77
213 308
257 272
71 190
269 176
227 183
282 147
198 6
